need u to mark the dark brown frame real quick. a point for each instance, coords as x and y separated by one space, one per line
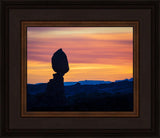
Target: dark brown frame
152 5
134 24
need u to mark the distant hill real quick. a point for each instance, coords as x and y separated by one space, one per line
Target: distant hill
86 82
131 79
41 87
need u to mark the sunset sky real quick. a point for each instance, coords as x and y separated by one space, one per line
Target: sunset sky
94 53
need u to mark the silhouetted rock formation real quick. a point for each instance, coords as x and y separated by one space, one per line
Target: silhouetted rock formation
60 62
55 87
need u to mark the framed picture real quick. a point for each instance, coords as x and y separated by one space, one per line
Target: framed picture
80 68
82 95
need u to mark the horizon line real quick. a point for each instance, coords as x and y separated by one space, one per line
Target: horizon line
84 80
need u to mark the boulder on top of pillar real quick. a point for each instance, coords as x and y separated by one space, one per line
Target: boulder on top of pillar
60 62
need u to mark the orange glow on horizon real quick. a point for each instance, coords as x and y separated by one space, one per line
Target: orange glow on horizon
105 72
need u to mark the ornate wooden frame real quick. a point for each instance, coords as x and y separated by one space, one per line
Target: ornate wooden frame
13 124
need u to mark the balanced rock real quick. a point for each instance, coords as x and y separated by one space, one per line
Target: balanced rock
60 62
55 87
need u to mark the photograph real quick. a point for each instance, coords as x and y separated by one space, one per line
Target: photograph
80 68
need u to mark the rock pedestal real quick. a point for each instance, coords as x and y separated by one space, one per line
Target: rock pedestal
55 91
